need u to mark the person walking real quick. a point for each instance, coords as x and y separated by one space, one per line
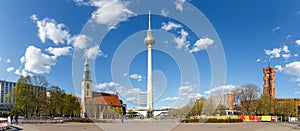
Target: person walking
11 119
16 119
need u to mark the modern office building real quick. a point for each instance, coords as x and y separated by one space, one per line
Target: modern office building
6 96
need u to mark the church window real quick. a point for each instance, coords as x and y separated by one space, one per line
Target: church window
87 86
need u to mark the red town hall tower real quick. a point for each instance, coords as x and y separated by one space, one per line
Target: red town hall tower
269 82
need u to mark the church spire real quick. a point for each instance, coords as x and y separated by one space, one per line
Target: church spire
86 71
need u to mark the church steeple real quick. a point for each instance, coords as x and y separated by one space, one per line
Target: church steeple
86 71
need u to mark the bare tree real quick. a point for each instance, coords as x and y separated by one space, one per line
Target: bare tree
248 96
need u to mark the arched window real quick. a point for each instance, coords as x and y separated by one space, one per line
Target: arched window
87 86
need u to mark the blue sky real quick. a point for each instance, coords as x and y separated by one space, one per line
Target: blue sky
202 46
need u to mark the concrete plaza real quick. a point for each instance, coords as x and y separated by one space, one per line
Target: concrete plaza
158 126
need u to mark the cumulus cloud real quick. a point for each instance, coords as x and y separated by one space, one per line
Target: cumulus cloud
49 29
279 67
275 29
297 42
136 77
295 79
258 60
81 41
37 62
170 25
286 56
106 85
178 4
275 53
10 69
220 90
131 99
296 55
111 12
195 96
292 68
185 90
93 52
182 41
283 52
202 44
8 60
169 99
22 72
60 51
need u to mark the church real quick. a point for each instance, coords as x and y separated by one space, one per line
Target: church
98 105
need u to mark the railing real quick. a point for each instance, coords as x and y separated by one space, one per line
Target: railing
39 120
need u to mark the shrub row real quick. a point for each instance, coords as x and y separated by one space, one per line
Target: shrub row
80 120
211 120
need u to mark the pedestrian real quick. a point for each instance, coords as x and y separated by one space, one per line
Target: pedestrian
11 119
16 119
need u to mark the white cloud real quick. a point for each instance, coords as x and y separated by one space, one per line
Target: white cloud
22 60
49 29
292 68
295 79
275 53
125 74
202 44
288 37
131 99
164 12
285 49
60 51
195 96
220 90
185 90
279 67
179 4
297 42
8 60
296 55
93 52
286 56
169 99
181 41
170 25
22 72
106 85
10 69
136 77
111 12
258 60
81 41
37 62
0 59
275 29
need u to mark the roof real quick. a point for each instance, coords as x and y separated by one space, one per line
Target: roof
106 99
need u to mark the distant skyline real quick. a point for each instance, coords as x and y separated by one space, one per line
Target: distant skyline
196 40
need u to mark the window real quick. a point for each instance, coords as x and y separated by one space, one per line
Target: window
87 86
87 93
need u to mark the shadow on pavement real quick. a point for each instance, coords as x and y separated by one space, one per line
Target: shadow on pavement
14 128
